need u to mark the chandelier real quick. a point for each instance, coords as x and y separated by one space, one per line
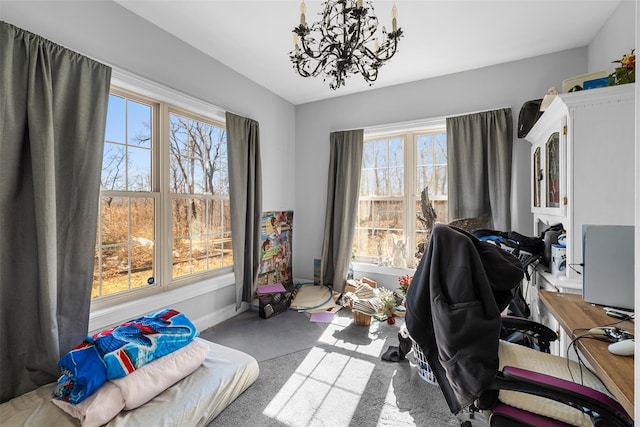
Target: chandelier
343 42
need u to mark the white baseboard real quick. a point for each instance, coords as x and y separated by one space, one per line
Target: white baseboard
219 316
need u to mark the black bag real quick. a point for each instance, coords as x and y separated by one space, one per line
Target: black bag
527 249
272 304
529 115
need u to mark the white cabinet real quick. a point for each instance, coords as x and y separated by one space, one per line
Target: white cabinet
582 166
582 171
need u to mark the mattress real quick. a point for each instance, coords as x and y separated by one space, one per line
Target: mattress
194 401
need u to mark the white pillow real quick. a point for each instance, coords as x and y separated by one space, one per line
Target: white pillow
153 378
97 409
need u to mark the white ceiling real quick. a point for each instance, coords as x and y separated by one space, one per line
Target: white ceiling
440 36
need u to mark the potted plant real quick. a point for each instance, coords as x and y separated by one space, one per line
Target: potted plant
626 72
389 304
405 282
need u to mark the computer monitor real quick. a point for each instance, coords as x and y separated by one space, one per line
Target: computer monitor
608 257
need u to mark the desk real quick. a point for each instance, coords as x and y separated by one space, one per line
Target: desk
572 312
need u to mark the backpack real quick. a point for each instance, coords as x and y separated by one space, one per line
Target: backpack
529 115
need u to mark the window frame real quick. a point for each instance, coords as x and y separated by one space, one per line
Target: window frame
163 101
409 133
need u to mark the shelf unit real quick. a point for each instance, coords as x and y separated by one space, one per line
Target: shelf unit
582 171
588 178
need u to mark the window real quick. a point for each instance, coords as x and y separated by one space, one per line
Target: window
164 173
396 167
199 187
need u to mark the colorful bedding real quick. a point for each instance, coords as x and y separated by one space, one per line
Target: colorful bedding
119 351
193 401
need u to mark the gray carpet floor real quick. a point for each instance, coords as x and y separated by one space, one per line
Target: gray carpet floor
326 374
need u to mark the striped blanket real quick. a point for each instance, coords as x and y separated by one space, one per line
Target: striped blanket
118 351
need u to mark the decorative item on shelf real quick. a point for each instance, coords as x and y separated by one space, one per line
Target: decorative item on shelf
399 253
626 72
343 42
548 98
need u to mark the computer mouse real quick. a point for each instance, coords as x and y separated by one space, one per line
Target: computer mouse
623 348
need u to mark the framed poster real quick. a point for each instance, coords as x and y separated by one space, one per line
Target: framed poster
275 248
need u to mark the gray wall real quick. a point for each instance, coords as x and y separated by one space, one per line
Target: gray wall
509 84
110 33
505 85
295 145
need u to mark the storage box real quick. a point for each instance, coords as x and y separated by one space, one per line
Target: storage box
569 83
595 83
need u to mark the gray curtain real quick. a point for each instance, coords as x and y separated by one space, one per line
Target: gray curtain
245 186
53 107
342 199
479 150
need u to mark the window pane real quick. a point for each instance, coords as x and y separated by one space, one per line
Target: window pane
180 217
378 223
386 200
139 160
125 253
431 163
138 124
198 157
116 119
113 167
114 220
383 170
181 254
201 235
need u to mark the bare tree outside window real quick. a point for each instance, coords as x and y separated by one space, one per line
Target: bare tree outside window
395 170
198 168
131 197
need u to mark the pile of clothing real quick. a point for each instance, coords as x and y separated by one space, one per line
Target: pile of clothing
364 299
126 366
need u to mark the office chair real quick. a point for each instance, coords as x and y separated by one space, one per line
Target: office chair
454 307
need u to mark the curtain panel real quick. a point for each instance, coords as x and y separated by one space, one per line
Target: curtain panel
342 200
53 108
245 187
479 148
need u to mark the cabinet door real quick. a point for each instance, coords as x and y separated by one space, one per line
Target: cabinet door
537 177
552 171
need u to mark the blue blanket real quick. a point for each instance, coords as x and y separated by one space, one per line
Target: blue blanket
118 351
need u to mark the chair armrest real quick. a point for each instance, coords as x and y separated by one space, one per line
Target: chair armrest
541 333
586 399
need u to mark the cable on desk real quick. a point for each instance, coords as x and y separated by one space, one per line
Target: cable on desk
581 363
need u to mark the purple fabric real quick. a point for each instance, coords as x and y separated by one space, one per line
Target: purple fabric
567 385
524 416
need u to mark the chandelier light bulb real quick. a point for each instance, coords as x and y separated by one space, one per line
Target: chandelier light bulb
394 16
303 12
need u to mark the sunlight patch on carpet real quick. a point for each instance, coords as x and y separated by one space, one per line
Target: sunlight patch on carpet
326 386
342 333
394 412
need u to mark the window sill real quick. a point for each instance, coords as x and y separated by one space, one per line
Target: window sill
103 317
386 276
